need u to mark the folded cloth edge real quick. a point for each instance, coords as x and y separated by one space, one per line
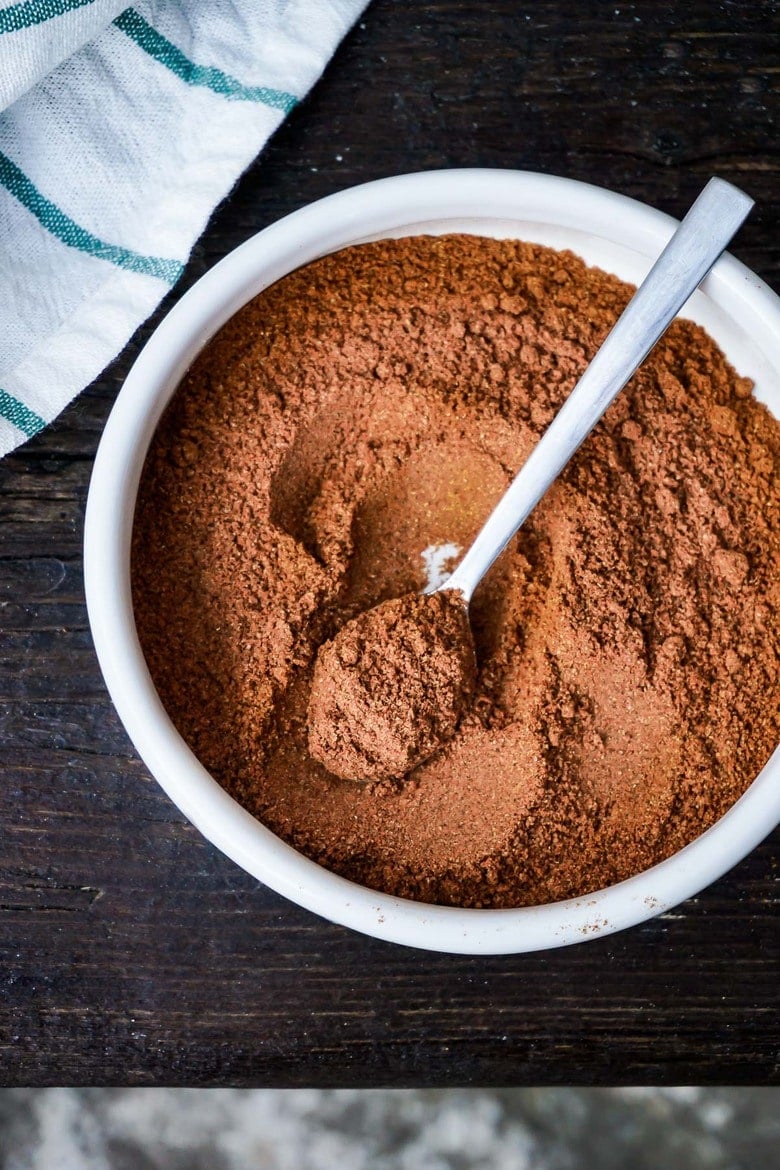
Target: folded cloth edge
66 361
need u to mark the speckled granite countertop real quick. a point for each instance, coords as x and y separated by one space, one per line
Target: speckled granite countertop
510 1129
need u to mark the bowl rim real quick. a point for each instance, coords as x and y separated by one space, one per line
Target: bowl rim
384 206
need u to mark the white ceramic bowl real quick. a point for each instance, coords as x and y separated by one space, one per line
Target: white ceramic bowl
606 229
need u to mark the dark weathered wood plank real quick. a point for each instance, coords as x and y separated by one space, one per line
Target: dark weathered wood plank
130 950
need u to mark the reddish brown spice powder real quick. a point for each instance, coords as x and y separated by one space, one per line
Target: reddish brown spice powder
377 403
392 686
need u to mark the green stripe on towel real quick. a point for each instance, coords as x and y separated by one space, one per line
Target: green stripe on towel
164 51
69 232
24 419
18 16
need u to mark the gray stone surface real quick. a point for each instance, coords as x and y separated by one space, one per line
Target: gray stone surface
453 1129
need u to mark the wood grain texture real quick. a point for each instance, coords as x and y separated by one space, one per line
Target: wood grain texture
131 951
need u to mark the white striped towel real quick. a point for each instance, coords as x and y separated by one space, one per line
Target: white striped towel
121 130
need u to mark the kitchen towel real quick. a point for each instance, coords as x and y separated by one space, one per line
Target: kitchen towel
121 129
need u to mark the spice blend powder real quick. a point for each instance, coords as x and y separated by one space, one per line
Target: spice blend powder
371 407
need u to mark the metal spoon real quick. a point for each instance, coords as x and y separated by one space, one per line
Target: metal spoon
393 684
691 252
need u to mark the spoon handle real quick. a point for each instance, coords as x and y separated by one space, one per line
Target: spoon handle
693 249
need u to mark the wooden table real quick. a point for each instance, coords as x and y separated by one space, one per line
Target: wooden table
131 951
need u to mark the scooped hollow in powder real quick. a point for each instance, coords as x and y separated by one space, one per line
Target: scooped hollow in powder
392 686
